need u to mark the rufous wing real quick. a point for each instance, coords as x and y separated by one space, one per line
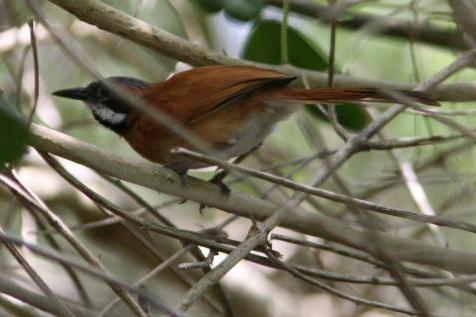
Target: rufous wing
205 90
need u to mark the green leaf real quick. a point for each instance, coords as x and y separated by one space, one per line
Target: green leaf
13 133
210 6
15 13
264 46
348 114
243 10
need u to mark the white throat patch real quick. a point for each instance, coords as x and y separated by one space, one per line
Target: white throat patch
108 115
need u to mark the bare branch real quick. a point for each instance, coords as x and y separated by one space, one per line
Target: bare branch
38 301
155 177
34 202
336 292
50 254
424 32
62 309
398 212
112 20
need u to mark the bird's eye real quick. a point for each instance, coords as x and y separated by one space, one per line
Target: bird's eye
99 92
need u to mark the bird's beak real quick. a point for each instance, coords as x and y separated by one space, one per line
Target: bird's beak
73 93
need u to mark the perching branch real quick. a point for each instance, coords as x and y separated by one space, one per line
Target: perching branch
291 216
117 22
163 180
41 302
423 32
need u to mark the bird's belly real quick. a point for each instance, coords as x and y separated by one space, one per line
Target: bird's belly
255 131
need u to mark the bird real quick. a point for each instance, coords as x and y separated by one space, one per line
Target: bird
233 108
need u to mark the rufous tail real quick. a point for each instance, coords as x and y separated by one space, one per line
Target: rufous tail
339 94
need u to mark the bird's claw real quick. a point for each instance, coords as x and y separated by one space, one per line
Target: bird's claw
182 174
225 190
217 180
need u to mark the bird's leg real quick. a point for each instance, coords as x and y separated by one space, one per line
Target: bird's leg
183 177
217 179
220 176
181 171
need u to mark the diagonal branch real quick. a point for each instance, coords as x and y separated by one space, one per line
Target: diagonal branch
58 304
38 301
397 212
117 22
31 201
423 32
155 177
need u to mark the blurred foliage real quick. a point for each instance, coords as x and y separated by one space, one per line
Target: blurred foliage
13 133
13 13
210 6
241 10
264 45
240 28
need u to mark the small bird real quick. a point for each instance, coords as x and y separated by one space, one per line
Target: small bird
233 108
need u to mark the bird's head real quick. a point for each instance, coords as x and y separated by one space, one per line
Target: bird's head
106 105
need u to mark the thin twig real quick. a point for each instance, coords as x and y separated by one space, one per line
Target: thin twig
134 196
50 254
211 278
36 68
336 292
157 178
61 307
110 19
28 198
25 295
284 33
146 277
397 212
129 217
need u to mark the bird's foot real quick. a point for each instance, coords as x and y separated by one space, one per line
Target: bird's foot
182 174
218 180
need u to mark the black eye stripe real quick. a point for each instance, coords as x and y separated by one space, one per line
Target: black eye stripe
104 100
100 94
115 104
